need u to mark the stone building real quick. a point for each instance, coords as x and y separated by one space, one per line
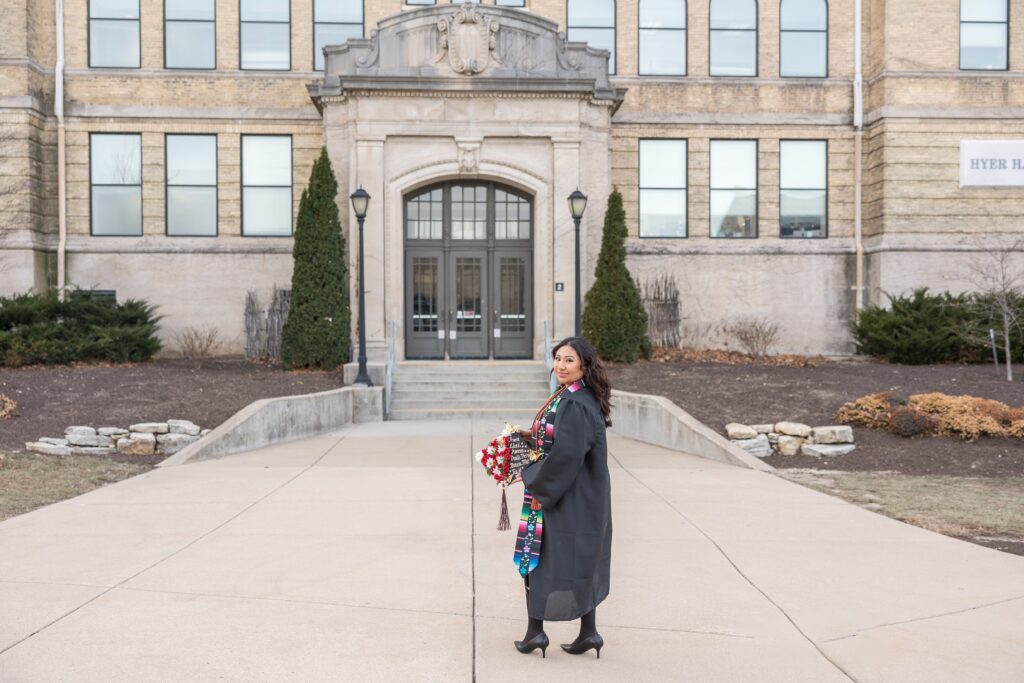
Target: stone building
790 160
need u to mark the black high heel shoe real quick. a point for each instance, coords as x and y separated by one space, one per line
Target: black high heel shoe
594 642
540 640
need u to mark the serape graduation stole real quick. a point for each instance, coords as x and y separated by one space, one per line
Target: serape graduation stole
531 520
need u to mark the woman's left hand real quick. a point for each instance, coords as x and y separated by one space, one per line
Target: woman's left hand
517 480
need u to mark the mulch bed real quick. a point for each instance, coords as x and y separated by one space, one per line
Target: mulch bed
53 398
717 394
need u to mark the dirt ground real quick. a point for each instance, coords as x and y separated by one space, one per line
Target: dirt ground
718 394
53 398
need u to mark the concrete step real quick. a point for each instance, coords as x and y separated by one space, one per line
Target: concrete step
495 395
489 376
499 416
466 404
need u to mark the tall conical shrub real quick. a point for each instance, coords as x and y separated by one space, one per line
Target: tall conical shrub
318 332
614 320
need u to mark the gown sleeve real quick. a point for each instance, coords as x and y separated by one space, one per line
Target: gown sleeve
553 475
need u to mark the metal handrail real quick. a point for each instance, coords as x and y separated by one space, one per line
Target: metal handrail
390 369
548 361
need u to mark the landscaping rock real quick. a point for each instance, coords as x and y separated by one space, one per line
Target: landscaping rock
773 438
79 430
137 444
84 450
793 429
172 443
790 445
113 432
47 448
89 440
763 429
833 434
758 446
183 427
150 427
736 431
205 432
55 442
820 450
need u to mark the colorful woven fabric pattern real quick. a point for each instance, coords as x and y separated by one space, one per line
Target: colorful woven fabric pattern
529 536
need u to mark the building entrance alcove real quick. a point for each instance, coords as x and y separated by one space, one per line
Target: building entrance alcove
468 271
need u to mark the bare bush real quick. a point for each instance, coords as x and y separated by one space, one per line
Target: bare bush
7 407
998 279
660 298
264 326
754 335
198 343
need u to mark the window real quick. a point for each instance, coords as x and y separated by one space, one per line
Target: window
663 188
804 39
190 34
511 216
733 38
333 23
983 34
191 167
266 34
424 215
593 22
267 185
803 188
420 2
662 38
115 184
510 3
734 188
114 33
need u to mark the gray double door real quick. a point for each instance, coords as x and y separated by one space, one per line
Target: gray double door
468 273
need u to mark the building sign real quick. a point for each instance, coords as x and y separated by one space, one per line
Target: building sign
987 163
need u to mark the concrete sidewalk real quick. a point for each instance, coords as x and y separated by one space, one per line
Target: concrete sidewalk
371 554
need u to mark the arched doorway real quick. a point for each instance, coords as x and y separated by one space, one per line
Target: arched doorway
468 271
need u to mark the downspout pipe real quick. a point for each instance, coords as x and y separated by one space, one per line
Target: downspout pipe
858 149
58 110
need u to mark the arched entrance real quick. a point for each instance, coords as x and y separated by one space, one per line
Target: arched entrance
468 271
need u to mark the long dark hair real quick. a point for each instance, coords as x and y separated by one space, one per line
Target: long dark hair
594 374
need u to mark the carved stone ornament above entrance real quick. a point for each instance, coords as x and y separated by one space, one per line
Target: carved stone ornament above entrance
470 38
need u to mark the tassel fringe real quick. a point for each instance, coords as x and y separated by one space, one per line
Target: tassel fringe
503 521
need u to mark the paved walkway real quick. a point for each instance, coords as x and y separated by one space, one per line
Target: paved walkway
371 554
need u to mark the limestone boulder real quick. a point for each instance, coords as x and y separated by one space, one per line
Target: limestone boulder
773 438
89 440
821 450
832 434
763 429
47 448
183 427
172 443
736 431
79 430
789 445
150 428
139 443
113 432
205 432
757 446
793 429
55 442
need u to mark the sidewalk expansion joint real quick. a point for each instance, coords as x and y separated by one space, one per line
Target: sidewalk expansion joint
720 634
739 571
188 545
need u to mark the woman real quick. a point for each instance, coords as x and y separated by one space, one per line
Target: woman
570 487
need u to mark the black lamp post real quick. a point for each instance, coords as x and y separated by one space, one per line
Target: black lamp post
577 205
360 201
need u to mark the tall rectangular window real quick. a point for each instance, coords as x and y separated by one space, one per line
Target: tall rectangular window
265 34
190 34
191 167
114 33
984 28
733 39
662 38
115 184
734 188
510 3
267 185
334 22
593 22
803 39
803 188
663 188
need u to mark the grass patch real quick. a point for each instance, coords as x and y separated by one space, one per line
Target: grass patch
974 508
31 480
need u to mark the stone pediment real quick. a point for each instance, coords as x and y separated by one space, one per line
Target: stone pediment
466 47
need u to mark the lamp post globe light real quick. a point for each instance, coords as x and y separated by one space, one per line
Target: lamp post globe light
360 201
577 205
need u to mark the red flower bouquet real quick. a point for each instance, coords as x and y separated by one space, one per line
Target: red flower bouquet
504 458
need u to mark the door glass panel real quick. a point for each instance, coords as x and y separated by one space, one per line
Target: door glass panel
469 212
511 216
423 216
513 299
424 295
468 295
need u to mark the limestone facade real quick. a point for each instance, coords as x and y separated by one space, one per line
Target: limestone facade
918 226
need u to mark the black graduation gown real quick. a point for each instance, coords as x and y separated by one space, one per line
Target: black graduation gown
573 486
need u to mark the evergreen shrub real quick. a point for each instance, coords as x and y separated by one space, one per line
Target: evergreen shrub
916 329
41 329
318 331
614 320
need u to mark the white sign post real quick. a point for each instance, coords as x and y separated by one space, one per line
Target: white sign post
990 163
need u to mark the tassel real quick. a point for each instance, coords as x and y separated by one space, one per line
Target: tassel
503 522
